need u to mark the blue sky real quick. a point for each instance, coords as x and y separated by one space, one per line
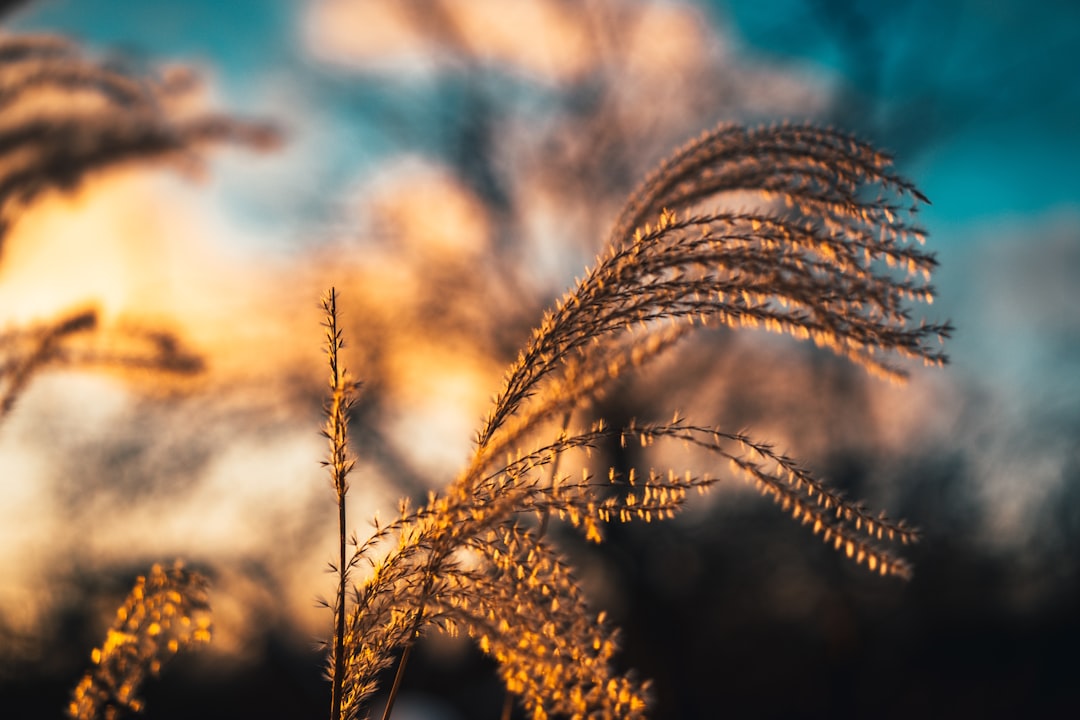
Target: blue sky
1003 70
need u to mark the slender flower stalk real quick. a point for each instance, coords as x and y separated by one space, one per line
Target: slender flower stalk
38 346
340 464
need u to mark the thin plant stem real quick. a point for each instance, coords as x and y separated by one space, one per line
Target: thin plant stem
339 619
340 464
414 633
397 678
554 475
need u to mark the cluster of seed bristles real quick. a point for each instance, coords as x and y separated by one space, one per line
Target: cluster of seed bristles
828 258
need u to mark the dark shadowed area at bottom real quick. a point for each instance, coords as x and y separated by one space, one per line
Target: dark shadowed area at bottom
738 617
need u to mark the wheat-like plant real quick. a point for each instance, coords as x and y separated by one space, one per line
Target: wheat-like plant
830 258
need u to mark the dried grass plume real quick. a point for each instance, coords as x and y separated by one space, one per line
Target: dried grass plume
835 257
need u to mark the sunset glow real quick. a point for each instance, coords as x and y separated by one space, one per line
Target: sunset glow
617 283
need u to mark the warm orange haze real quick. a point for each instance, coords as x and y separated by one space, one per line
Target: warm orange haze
623 279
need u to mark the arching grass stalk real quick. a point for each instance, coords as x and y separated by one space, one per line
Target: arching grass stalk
831 255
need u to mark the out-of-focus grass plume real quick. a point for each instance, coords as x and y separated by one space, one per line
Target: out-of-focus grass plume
65 117
167 611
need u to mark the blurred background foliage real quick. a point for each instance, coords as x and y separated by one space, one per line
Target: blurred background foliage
450 167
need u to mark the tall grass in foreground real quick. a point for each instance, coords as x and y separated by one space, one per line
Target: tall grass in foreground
833 257
832 262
